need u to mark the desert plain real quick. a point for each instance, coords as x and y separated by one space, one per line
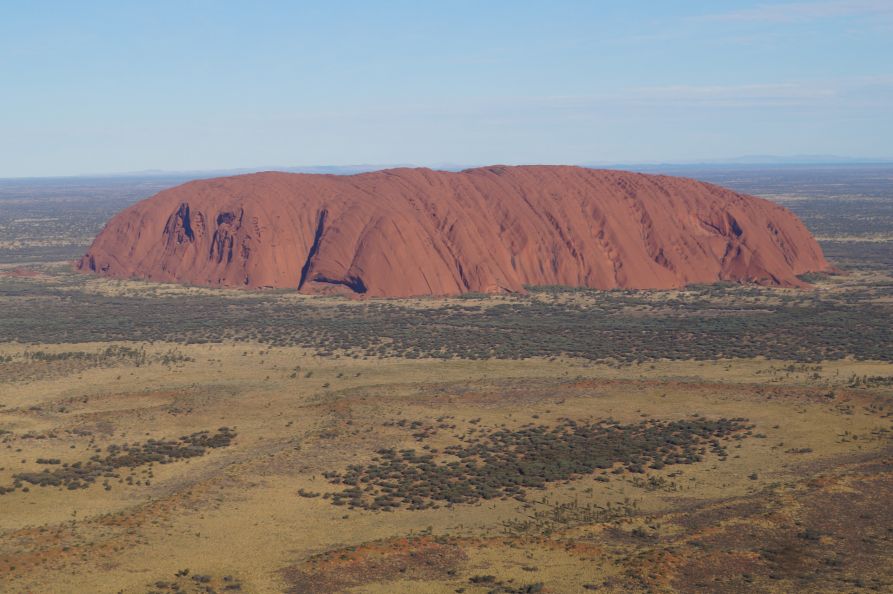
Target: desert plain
717 438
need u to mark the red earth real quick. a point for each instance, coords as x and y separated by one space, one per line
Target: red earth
408 232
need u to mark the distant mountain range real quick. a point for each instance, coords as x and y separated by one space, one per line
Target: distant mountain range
749 160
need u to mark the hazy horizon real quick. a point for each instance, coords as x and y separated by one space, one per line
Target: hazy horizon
744 162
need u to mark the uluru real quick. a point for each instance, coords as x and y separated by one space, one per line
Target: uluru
413 232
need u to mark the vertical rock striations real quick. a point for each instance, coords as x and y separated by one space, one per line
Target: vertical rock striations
404 232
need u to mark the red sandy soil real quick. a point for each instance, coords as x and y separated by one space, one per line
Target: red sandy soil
20 272
406 232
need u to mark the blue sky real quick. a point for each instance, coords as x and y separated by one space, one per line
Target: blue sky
95 87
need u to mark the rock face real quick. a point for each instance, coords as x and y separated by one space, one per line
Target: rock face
405 232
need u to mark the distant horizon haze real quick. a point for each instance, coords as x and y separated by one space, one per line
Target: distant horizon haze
745 162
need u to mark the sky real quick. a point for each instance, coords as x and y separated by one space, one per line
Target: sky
103 87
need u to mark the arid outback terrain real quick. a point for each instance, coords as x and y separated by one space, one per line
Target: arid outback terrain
714 438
